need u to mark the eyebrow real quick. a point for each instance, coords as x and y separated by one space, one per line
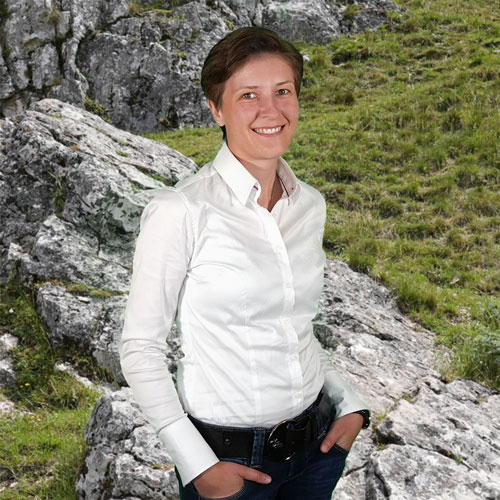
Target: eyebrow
256 86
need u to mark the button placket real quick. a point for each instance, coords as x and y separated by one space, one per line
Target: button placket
288 293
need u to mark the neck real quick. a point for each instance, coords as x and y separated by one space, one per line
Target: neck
268 199
266 173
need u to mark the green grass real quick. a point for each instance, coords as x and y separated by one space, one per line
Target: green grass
400 131
42 450
4 9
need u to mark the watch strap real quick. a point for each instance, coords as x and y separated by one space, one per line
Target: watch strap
366 418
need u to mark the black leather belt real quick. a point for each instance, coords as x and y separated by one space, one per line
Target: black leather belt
283 441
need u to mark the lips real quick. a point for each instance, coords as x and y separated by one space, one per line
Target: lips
268 131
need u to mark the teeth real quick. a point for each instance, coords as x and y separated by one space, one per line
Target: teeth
268 130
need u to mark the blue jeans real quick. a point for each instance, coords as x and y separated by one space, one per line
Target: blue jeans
308 475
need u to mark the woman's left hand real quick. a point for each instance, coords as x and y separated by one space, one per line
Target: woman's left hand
343 431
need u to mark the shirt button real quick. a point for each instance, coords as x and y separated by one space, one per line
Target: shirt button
288 284
296 395
294 357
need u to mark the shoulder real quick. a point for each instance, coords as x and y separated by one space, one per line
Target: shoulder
191 185
184 193
311 196
166 203
202 189
166 197
183 198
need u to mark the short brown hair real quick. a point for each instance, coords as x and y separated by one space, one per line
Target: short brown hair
235 49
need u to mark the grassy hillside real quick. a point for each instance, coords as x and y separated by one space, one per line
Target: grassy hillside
400 131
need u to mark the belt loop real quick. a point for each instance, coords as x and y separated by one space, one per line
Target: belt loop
259 443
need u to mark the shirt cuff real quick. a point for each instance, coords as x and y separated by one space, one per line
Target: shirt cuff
341 396
189 451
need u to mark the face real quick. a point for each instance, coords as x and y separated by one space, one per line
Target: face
259 110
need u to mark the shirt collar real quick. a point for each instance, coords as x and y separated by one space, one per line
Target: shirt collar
288 181
242 182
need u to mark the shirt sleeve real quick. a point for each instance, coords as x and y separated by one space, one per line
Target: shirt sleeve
161 260
340 394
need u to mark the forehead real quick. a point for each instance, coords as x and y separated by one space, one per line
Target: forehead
263 68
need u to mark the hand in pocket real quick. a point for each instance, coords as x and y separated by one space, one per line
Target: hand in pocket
226 478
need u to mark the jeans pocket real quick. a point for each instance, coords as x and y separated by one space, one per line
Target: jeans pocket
234 496
336 447
324 429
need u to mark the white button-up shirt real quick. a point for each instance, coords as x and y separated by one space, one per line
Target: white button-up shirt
243 285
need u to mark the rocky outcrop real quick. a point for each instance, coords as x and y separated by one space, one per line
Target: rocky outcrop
72 188
138 64
377 349
447 437
125 458
429 439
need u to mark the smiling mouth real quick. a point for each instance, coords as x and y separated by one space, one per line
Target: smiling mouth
268 131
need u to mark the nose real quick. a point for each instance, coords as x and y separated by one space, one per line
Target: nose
269 105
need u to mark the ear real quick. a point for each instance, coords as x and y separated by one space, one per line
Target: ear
217 113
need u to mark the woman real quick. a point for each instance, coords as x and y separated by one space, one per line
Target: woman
234 255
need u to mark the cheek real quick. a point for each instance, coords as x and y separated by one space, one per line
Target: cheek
239 123
293 114
291 109
246 115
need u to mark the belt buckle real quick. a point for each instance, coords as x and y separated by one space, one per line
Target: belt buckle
276 443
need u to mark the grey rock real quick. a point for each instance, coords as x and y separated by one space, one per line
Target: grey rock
6 87
102 388
123 448
360 322
8 341
59 160
45 67
26 29
72 189
311 21
144 68
7 373
148 68
60 250
6 407
364 15
402 472
454 420
8 410
92 323
442 444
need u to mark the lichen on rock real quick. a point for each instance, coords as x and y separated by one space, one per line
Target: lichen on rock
70 209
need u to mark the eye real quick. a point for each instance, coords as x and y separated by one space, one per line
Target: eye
283 92
249 95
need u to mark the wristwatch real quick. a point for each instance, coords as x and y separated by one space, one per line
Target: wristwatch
366 418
